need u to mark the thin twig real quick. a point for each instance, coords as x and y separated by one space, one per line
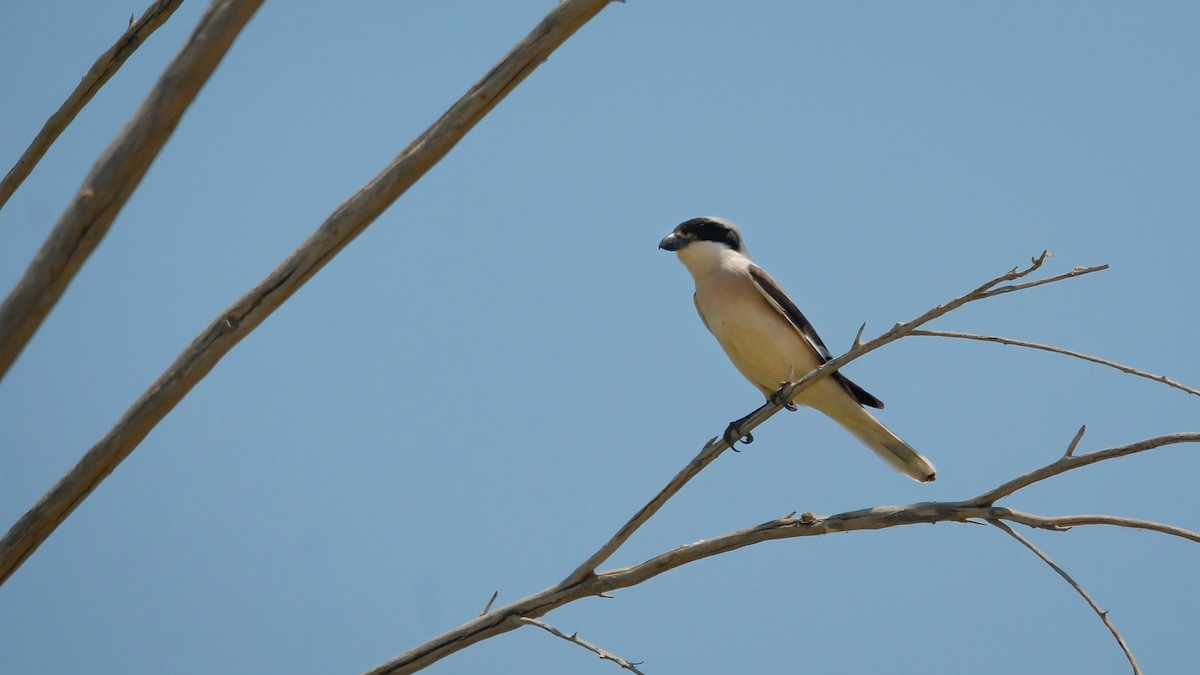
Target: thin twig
1075 461
1078 271
1056 350
101 71
575 639
236 322
1064 523
1079 589
1075 441
115 175
708 453
488 607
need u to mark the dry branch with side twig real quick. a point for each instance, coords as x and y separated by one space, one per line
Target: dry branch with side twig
980 508
575 639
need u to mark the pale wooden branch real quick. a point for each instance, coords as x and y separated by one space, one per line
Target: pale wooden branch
708 453
101 71
575 639
1067 463
1064 523
720 444
508 617
1078 589
1078 271
346 222
115 175
1057 350
1075 441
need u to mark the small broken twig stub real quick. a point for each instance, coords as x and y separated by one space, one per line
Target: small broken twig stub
1075 441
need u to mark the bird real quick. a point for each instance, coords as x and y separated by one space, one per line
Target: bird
770 341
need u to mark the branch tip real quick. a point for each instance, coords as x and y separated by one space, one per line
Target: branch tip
1075 441
488 607
858 338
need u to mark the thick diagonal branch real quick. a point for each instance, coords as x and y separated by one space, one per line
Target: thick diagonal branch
347 222
115 175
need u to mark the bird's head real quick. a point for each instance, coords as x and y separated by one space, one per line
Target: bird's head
715 231
702 243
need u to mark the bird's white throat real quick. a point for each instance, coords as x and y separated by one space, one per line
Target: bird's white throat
702 258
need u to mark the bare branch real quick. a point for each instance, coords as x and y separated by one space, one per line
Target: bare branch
574 638
1078 271
102 70
876 518
1056 350
347 222
573 588
708 453
1075 441
1064 523
115 175
1070 462
1079 589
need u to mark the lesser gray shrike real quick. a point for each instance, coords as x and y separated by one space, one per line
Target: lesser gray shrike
769 340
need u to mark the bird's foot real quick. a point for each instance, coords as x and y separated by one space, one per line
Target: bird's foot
734 434
777 397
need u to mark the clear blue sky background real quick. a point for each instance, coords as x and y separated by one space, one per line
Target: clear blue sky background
503 368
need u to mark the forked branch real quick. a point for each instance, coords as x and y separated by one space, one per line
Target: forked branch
511 616
1078 589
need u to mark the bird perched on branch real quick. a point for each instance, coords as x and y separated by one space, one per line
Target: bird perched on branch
769 340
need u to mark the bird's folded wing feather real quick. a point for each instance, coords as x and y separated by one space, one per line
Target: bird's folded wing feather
783 304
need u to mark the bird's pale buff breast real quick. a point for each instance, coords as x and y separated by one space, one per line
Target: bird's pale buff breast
763 346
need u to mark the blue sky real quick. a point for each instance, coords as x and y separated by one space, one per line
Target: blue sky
480 389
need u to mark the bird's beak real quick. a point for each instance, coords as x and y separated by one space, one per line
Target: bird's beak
672 242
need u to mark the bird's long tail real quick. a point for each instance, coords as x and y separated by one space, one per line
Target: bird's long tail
886 444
